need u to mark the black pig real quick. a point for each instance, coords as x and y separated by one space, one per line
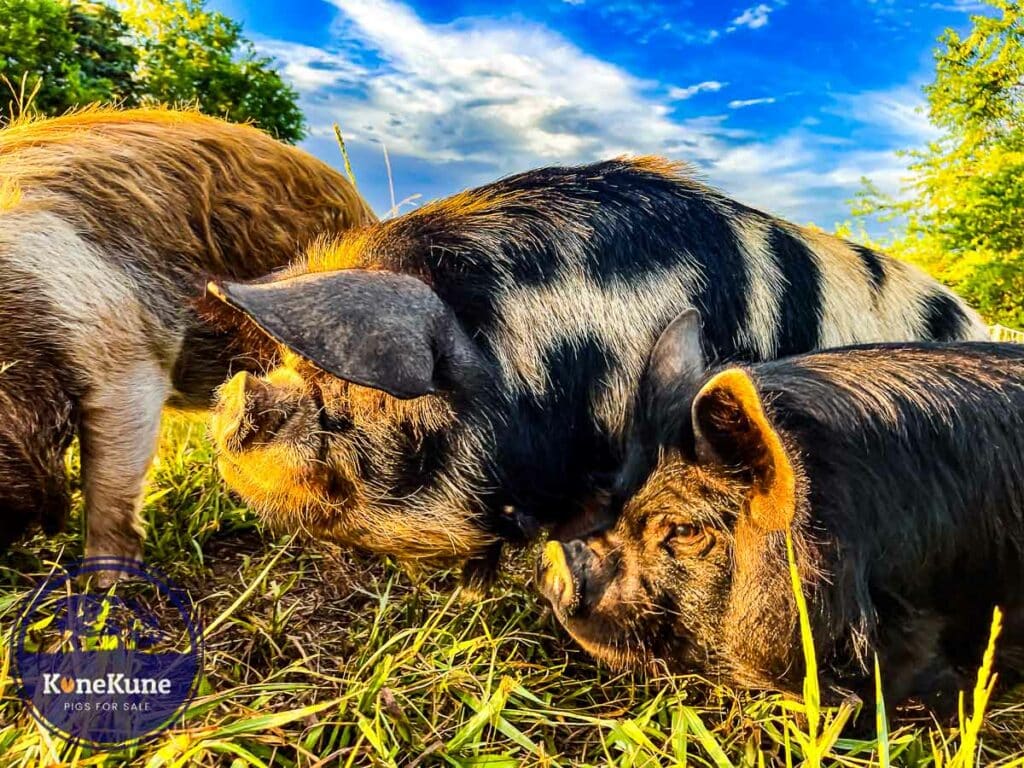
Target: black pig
898 469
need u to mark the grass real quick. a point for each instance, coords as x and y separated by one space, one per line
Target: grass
317 657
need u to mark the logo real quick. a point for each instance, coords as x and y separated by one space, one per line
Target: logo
108 667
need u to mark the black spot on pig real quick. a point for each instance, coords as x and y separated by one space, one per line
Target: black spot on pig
800 328
944 317
874 263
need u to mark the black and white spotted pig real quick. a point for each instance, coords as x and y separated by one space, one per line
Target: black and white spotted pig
463 375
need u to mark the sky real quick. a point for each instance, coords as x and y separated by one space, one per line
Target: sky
783 104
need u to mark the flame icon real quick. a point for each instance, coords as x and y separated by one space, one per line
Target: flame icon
67 684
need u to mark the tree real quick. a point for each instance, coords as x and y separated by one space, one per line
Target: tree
106 58
964 215
166 51
67 54
192 55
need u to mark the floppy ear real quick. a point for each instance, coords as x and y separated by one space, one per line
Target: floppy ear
678 354
731 428
380 329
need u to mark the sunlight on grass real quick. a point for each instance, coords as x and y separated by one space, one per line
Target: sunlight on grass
823 727
318 657
881 722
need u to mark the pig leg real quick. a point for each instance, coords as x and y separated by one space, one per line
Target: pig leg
119 429
915 664
480 573
32 489
36 427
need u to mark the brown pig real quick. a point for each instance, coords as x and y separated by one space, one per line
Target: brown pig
110 223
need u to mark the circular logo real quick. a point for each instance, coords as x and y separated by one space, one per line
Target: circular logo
107 666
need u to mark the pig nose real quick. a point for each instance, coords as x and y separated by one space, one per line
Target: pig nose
247 413
556 577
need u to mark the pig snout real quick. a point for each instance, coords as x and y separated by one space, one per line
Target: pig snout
562 574
249 413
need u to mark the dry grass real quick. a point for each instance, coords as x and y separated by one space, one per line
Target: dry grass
318 657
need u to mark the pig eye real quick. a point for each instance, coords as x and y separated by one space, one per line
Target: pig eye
689 539
686 532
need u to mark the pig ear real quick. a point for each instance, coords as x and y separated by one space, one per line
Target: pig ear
678 354
731 428
379 329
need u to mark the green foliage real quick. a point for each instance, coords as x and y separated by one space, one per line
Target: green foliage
193 55
105 56
67 53
963 219
318 657
173 52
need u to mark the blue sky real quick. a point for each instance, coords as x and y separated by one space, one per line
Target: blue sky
784 104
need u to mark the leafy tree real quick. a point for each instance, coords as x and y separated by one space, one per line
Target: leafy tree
106 58
192 55
964 216
166 51
66 54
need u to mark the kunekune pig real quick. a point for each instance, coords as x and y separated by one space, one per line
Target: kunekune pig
898 470
464 374
111 223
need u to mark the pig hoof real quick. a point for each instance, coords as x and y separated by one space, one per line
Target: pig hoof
104 577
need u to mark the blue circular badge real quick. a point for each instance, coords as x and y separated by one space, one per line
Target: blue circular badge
108 667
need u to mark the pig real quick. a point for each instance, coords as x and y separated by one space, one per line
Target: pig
111 223
897 470
463 376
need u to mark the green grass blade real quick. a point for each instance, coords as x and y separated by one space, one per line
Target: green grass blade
705 738
488 713
881 722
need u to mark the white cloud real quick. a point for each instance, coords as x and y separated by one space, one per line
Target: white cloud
506 95
900 112
754 17
802 177
459 104
962 6
708 86
644 21
309 68
741 103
